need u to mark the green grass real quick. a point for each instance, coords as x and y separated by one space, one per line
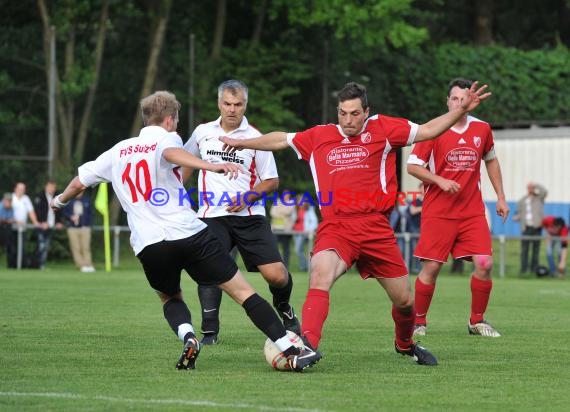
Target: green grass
98 342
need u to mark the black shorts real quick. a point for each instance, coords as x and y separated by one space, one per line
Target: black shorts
251 234
201 255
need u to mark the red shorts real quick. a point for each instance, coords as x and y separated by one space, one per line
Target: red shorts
367 240
462 238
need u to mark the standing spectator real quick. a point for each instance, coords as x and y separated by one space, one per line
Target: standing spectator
529 213
453 212
304 227
23 209
169 238
556 227
356 157
234 213
48 221
413 221
283 217
8 234
79 218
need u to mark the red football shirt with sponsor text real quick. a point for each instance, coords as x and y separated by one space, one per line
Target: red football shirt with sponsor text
354 175
455 155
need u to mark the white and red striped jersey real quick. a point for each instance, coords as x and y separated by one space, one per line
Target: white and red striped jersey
456 155
149 188
215 189
354 175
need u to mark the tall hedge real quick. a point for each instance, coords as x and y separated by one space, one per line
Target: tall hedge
527 86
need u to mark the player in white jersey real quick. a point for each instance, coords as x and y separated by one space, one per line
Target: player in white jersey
234 209
166 234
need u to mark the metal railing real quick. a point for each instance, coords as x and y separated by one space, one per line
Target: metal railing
406 236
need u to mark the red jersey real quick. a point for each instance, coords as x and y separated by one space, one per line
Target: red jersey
547 224
354 175
456 155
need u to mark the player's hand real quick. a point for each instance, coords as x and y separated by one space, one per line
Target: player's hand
230 145
449 186
231 170
474 96
502 209
237 205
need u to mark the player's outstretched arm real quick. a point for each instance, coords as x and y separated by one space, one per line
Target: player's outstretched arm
181 157
71 191
471 99
270 142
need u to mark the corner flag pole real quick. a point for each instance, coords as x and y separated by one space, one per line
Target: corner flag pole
102 206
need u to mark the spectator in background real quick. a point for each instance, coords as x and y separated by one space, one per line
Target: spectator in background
529 213
8 235
413 220
556 227
23 209
48 220
304 227
283 215
78 216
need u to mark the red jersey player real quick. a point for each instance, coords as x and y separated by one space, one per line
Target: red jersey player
453 213
556 227
354 171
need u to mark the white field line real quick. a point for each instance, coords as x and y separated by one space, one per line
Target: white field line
183 402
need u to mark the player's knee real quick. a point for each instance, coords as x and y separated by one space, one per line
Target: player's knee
484 262
320 279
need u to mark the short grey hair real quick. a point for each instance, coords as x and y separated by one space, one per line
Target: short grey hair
233 86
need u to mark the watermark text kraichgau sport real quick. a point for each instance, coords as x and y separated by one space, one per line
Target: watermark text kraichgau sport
340 197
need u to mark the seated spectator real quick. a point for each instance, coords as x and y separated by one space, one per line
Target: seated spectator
556 227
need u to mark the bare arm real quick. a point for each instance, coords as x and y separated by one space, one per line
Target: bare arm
426 176
471 99
496 178
181 157
71 191
271 142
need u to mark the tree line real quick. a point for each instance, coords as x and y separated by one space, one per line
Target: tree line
293 54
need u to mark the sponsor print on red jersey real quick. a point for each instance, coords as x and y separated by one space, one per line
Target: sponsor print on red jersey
354 175
456 155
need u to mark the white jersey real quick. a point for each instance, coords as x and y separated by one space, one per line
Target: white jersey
215 189
149 188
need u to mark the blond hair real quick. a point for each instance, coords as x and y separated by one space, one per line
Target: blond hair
158 106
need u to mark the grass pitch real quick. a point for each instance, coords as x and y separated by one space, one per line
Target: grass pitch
98 342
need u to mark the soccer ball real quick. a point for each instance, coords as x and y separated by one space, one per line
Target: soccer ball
275 357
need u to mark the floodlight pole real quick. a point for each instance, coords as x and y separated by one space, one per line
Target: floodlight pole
51 102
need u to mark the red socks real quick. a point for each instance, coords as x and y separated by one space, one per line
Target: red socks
422 300
404 326
480 294
315 312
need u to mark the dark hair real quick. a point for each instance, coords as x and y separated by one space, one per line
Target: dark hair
559 222
352 91
459 82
